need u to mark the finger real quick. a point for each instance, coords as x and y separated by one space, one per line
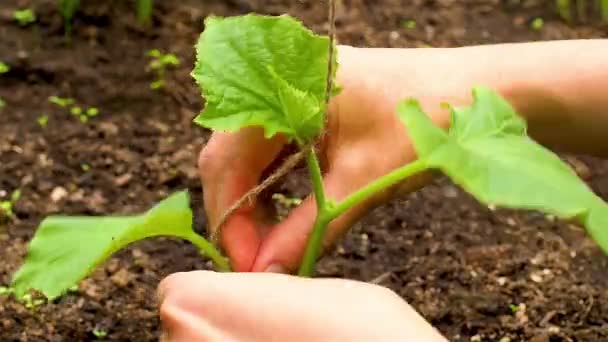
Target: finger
231 165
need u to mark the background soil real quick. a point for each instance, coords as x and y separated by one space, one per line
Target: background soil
475 273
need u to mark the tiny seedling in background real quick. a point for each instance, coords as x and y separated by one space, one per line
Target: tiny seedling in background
6 206
409 24
4 68
537 24
144 11
85 167
159 64
75 110
43 120
24 17
63 102
5 291
67 8
100 333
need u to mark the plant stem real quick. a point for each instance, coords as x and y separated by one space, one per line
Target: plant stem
208 249
376 186
318 231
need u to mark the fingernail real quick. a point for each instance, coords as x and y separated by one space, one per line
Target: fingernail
276 268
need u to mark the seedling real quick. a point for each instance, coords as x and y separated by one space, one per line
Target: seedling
67 9
564 8
144 11
75 110
537 24
6 206
100 333
63 102
409 24
159 64
272 72
5 291
43 120
24 17
4 68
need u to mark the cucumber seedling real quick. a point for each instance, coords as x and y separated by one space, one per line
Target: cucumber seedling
274 73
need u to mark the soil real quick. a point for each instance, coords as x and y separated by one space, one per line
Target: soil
477 274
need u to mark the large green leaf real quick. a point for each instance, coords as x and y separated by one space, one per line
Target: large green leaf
265 71
487 152
66 249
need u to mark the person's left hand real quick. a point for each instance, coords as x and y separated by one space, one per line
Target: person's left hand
208 306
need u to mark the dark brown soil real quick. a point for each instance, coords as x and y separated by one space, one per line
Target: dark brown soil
477 274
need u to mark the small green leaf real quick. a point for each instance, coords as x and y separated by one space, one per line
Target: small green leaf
66 249
169 59
92 112
2 103
43 120
488 153
252 70
4 68
76 110
61 101
597 224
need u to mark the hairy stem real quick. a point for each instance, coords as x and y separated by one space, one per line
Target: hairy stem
376 186
208 249
318 231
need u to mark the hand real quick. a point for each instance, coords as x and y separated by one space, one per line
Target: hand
364 140
208 306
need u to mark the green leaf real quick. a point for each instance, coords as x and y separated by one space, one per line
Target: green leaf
488 153
597 225
264 71
4 68
66 249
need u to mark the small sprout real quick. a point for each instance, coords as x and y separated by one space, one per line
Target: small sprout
100 333
409 24
7 205
76 110
2 103
157 84
537 24
5 291
92 112
63 102
31 302
4 68
514 308
159 63
85 167
43 120
286 201
84 118
24 17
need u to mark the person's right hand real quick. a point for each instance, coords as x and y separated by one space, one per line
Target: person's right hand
364 140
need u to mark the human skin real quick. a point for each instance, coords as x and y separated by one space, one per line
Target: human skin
227 307
559 87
